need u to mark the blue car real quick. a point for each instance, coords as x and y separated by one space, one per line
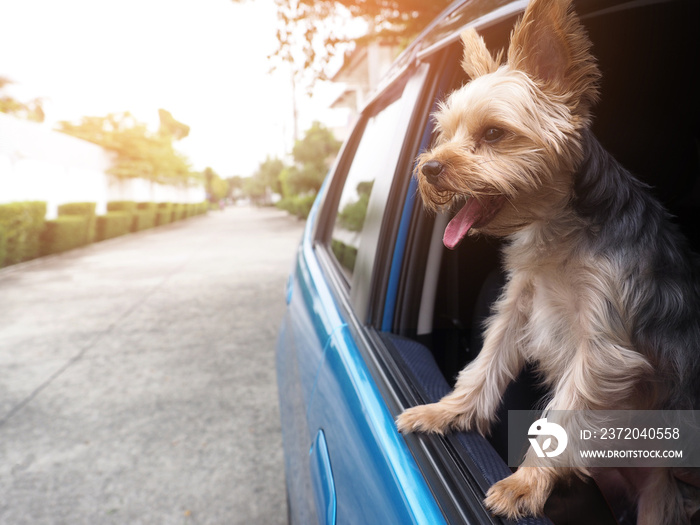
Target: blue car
381 316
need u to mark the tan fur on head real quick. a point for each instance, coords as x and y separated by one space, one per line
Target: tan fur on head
541 99
477 60
551 46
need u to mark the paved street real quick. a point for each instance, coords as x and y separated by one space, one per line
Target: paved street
137 380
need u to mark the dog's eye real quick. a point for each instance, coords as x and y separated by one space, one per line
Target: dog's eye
492 135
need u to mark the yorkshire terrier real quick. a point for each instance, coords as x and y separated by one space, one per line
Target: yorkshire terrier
602 292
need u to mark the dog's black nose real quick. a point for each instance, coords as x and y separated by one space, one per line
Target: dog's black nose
432 170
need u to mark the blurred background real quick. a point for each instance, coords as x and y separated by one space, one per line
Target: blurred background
187 101
137 377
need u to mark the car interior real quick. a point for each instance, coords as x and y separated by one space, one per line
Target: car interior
648 118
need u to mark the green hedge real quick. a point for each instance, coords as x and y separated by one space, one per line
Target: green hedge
84 209
64 233
178 211
142 220
3 247
113 224
25 234
164 213
21 224
128 206
299 205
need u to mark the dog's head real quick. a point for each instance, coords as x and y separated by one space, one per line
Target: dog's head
509 140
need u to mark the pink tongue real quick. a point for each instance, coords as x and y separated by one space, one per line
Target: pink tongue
458 227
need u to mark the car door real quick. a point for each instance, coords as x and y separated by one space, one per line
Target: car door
349 464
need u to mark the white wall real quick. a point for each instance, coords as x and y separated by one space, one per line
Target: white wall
38 164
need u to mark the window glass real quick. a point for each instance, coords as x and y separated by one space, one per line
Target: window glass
376 155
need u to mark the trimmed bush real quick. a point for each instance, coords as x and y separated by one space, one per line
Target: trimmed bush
164 213
142 220
84 209
144 216
178 212
128 206
22 224
3 246
299 205
64 233
152 206
113 224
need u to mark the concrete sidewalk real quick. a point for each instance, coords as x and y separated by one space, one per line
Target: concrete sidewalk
137 380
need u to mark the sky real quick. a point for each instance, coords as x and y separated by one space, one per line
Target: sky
205 61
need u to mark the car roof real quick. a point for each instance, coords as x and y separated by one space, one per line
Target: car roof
446 28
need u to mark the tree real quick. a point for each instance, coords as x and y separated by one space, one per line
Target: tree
312 156
170 126
235 186
217 188
268 174
310 34
31 110
139 152
352 216
255 189
301 181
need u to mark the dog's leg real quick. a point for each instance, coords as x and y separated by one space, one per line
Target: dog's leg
660 500
477 394
598 373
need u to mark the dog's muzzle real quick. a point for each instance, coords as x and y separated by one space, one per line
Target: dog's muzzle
432 171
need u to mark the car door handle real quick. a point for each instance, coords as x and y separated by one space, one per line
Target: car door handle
322 480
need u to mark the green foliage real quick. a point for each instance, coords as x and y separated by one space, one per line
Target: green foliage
344 253
127 206
64 233
143 220
3 247
144 216
164 213
21 224
264 182
256 190
85 209
299 183
113 224
235 186
317 147
139 153
310 32
217 188
352 216
24 234
178 212
31 110
171 127
298 205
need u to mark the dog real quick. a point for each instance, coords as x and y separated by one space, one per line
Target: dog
602 290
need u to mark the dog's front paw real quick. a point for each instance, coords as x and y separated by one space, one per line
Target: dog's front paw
426 418
521 494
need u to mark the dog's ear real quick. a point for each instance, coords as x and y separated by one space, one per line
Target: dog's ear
477 60
550 44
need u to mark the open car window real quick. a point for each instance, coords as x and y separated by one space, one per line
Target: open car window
361 187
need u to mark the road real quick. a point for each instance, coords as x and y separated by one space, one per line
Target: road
137 379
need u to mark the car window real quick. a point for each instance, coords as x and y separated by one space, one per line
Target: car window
361 187
375 155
